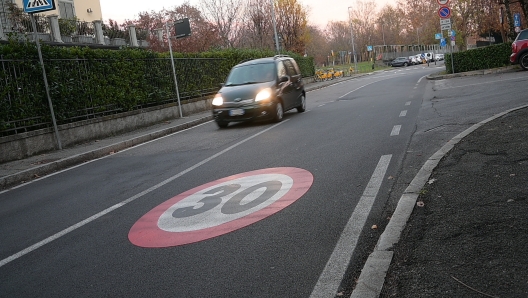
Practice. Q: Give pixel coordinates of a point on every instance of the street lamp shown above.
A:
(352, 36)
(274, 27)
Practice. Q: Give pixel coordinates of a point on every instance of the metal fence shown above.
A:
(83, 89)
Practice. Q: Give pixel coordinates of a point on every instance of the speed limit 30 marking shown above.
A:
(220, 207)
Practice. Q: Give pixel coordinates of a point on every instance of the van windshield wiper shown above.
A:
(243, 83)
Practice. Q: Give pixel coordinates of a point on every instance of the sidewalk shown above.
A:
(20, 171)
(468, 233)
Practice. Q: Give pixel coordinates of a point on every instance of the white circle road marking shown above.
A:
(220, 207)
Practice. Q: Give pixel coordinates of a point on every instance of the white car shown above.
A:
(439, 57)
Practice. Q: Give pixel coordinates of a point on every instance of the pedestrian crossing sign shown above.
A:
(31, 6)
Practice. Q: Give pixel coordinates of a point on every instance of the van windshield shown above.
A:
(251, 74)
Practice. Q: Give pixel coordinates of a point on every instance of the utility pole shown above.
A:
(352, 36)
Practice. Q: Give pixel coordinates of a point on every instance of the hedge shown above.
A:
(86, 83)
(481, 58)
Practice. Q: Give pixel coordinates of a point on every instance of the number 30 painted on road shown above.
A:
(220, 207)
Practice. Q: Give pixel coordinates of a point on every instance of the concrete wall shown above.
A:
(35, 142)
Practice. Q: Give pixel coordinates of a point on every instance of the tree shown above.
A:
(224, 15)
(393, 27)
(363, 21)
(203, 34)
(257, 27)
(291, 24)
(338, 34)
(317, 45)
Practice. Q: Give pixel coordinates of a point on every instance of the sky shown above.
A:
(321, 11)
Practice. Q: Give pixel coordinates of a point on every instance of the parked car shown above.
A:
(400, 61)
(520, 50)
(419, 58)
(439, 57)
(260, 89)
(414, 60)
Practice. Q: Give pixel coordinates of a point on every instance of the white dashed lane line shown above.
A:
(395, 130)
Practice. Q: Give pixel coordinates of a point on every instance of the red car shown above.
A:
(520, 50)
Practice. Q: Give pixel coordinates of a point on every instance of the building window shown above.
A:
(66, 9)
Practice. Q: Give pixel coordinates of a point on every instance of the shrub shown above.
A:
(481, 58)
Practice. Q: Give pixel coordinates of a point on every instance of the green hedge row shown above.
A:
(86, 83)
(481, 58)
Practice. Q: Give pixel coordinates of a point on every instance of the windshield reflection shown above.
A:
(251, 74)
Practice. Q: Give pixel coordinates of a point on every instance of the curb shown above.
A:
(505, 69)
(372, 277)
(46, 169)
(332, 82)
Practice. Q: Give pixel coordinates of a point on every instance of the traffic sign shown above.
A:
(444, 12)
(438, 36)
(445, 21)
(442, 2)
(369, 48)
(31, 6)
(446, 27)
(220, 207)
(443, 42)
(517, 20)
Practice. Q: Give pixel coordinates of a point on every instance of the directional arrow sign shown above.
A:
(31, 6)
(444, 12)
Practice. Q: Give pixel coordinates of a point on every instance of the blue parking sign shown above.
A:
(443, 42)
(517, 20)
(31, 6)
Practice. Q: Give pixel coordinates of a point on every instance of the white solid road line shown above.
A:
(332, 275)
(123, 203)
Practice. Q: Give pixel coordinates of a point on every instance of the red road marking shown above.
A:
(146, 232)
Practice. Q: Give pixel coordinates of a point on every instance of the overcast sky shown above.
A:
(321, 11)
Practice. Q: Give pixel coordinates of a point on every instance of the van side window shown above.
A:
(281, 70)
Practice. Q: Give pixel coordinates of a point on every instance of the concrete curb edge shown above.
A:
(504, 69)
(372, 277)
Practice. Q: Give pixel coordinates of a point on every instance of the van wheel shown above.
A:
(222, 124)
(302, 107)
(523, 61)
(279, 112)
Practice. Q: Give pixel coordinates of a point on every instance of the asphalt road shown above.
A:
(349, 156)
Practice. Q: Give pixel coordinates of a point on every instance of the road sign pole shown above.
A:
(173, 69)
(34, 25)
(452, 58)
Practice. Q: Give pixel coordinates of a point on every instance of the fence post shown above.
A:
(2, 35)
(53, 21)
(133, 37)
(99, 36)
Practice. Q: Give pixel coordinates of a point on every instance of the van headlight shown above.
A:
(263, 95)
(218, 100)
